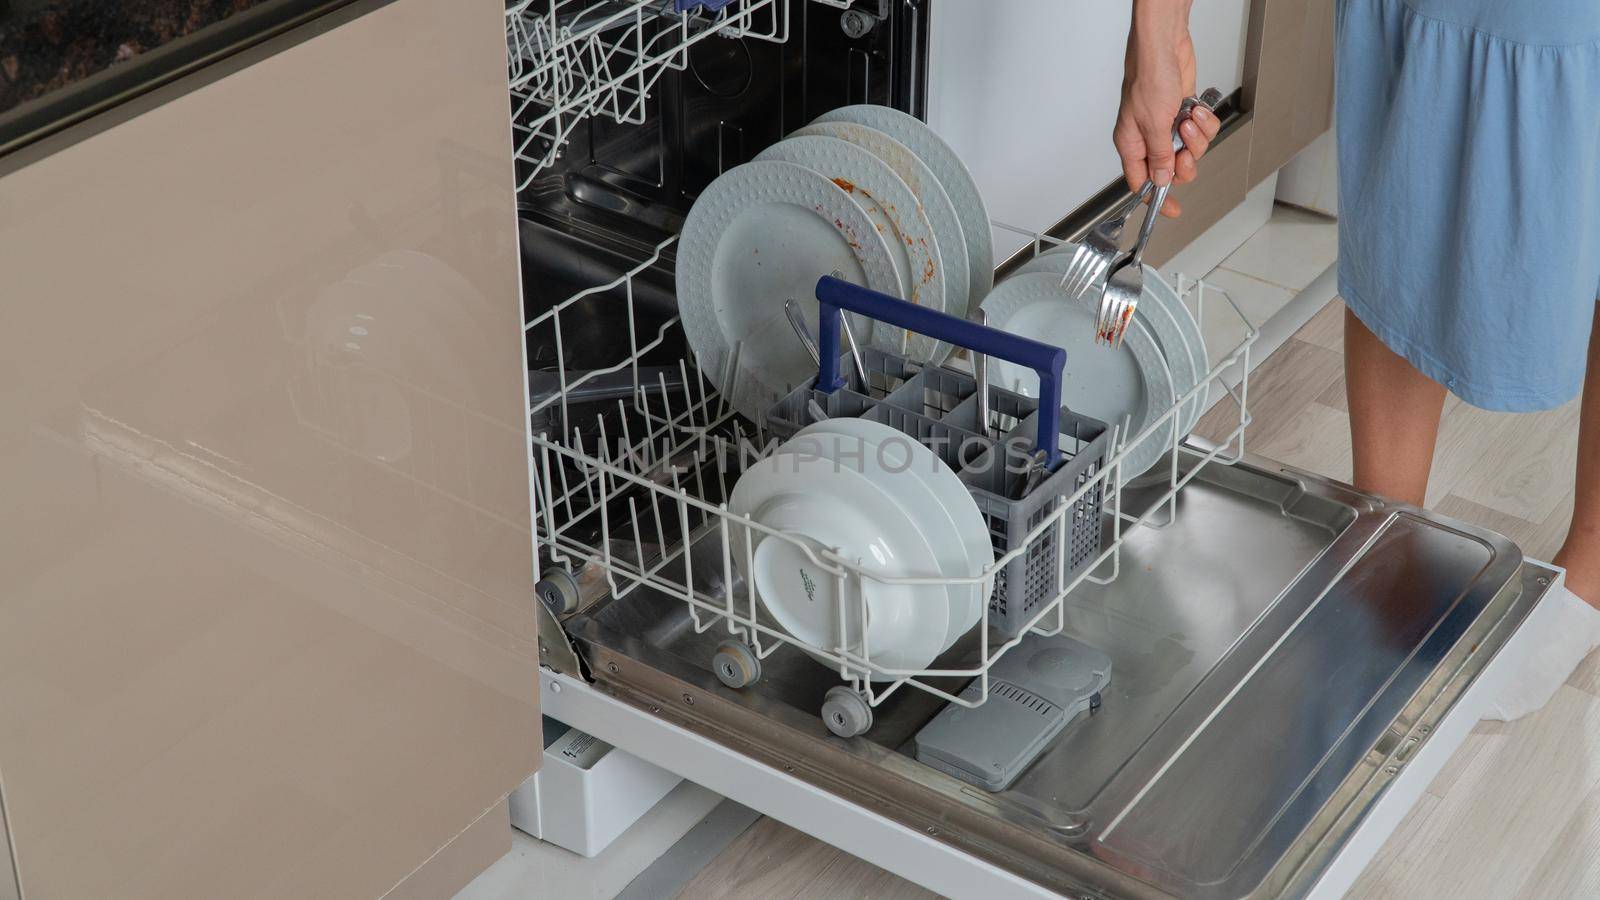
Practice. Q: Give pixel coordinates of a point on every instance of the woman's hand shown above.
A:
(1158, 72)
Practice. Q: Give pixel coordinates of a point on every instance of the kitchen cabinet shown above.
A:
(1287, 102)
(8, 871)
(1288, 79)
(266, 625)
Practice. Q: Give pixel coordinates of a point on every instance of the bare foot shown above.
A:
(1580, 556)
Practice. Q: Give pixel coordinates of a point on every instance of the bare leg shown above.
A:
(1581, 552)
(1394, 419)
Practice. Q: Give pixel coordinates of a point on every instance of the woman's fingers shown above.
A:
(1194, 140)
(1187, 167)
(1159, 157)
(1197, 132)
(1130, 149)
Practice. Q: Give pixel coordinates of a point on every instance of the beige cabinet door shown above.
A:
(9, 888)
(1288, 79)
(266, 623)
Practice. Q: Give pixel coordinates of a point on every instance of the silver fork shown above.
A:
(1125, 285)
(1100, 247)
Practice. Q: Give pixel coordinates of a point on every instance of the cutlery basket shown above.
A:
(939, 408)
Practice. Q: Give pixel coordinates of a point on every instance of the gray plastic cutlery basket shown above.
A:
(939, 407)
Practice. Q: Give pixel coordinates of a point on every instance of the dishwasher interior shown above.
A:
(1280, 642)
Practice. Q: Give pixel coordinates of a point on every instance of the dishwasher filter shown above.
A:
(1034, 691)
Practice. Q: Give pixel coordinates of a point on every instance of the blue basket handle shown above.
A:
(834, 294)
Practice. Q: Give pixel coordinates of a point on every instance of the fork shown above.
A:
(1125, 285)
(1100, 247)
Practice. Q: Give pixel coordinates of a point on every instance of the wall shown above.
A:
(1026, 91)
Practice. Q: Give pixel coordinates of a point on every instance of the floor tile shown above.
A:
(1295, 247)
(1519, 530)
(1316, 438)
(1527, 467)
(1379, 881)
(1326, 328)
(1571, 865)
(1257, 299)
(1586, 677)
(1489, 833)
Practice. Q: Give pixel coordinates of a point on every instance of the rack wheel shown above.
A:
(736, 664)
(559, 591)
(845, 712)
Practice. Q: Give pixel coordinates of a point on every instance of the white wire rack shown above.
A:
(638, 489)
(573, 59)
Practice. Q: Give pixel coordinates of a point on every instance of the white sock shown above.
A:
(1564, 629)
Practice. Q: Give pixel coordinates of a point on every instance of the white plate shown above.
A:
(1157, 288)
(831, 506)
(938, 501)
(1152, 313)
(761, 233)
(962, 290)
(952, 174)
(898, 213)
(1100, 382)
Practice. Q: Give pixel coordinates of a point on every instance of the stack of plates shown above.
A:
(1162, 357)
(866, 192)
(888, 504)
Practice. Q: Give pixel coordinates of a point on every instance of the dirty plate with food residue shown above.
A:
(898, 216)
(760, 234)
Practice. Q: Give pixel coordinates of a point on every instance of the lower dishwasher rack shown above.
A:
(1284, 647)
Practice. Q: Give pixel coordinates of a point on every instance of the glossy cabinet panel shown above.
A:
(265, 604)
(8, 874)
(1288, 79)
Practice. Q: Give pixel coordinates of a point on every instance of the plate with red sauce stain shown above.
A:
(896, 213)
(965, 287)
(760, 234)
(951, 173)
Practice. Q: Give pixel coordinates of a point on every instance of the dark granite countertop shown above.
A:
(46, 45)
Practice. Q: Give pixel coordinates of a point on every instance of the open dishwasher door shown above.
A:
(1293, 662)
(1292, 659)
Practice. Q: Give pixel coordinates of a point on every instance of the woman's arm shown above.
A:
(1158, 72)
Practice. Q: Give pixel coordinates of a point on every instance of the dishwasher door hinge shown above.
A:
(557, 652)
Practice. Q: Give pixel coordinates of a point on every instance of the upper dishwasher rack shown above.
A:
(572, 59)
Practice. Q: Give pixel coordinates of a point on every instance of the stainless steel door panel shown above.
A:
(1236, 796)
(1286, 641)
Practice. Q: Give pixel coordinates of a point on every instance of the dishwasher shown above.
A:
(1292, 659)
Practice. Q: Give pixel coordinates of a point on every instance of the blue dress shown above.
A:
(1469, 189)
